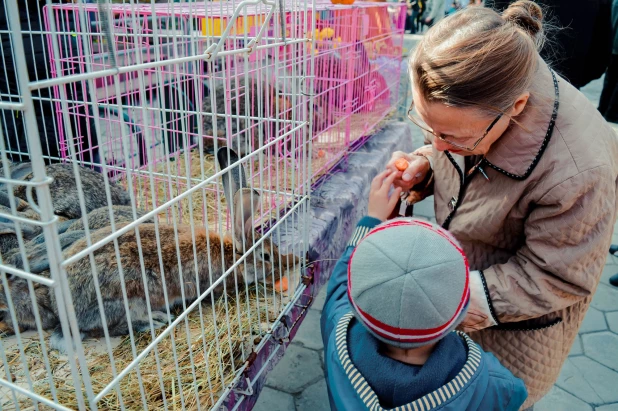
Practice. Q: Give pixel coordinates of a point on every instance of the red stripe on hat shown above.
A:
(402, 334)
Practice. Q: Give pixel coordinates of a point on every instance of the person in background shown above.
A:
(412, 16)
(38, 66)
(453, 8)
(608, 105)
(437, 11)
(580, 49)
(392, 303)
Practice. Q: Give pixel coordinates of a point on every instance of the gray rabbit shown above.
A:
(203, 262)
(260, 94)
(99, 218)
(8, 231)
(64, 192)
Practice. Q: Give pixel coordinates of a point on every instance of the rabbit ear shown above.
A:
(234, 179)
(249, 200)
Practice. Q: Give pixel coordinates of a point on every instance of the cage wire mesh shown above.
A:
(151, 156)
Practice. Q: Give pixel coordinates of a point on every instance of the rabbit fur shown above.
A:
(64, 193)
(200, 269)
(99, 218)
(238, 95)
(8, 230)
(38, 260)
(24, 311)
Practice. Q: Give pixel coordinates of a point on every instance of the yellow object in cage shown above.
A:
(215, 26)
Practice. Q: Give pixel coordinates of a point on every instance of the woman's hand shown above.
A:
(418, 167)
(381, 205)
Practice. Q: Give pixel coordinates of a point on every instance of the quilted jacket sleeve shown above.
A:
(568, 232)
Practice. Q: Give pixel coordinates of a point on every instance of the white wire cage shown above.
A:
(141, 265)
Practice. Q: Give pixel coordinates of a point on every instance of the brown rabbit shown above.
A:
(213, 255)
(22, 304)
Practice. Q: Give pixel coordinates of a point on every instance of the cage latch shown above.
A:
(286, 336)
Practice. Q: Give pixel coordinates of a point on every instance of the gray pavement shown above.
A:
(588, 381)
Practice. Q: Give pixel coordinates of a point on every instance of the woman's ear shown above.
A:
(520, 104)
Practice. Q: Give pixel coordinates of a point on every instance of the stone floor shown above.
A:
(589, 378)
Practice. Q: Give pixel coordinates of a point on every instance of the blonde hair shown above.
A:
(478, 57)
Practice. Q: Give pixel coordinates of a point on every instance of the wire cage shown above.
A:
(152, 158)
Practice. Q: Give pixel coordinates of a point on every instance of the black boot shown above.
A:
(613, 280)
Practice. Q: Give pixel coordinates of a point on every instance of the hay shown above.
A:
(207, 361)
(216, 355)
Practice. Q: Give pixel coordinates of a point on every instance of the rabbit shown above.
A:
(23, 308)
(209, 248)
(64, 192)
(8, 234)
(21, 206)
(238, 107)
(38, 260)
(36, 252)
(17, 171)
(99, 218)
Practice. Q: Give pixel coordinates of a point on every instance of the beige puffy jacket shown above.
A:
(539, 229)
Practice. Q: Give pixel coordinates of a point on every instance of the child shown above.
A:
(393, 301)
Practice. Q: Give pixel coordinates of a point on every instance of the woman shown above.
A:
(523, 172)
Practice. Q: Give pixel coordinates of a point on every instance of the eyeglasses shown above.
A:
(450, 140)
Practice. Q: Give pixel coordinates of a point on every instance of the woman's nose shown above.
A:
(440, 145)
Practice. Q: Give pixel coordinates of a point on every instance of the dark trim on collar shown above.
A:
(548, 134)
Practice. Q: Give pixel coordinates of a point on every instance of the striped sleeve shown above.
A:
(363, 227)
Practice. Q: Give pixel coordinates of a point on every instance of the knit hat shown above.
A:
(408, 282)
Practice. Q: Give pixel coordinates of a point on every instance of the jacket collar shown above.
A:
(431, 401)
(521, 147)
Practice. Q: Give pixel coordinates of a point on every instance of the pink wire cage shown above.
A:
(341, 80)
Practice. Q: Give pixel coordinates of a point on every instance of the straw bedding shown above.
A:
(215, 354)
(206, 360)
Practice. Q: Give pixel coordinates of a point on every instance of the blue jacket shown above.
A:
(459, 375)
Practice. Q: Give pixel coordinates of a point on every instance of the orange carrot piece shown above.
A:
(281, 285)
(401, 164)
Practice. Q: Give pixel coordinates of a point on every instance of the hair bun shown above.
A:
(526, 15)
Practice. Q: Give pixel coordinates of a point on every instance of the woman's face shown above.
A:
(465, 126)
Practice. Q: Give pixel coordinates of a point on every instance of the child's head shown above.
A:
(408, 283)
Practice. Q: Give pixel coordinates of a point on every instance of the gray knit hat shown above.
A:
(408, 282)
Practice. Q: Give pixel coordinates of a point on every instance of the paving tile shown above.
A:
(273, 400)
(609, 270)
(612, 321)
(594, 321)
(576, 348)
(560, 400)
(588, 380)
(603, 348)
(309, 334)
(605, 298)
(298, 368)
(608, 407)
(318, 301)
(314, 398)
